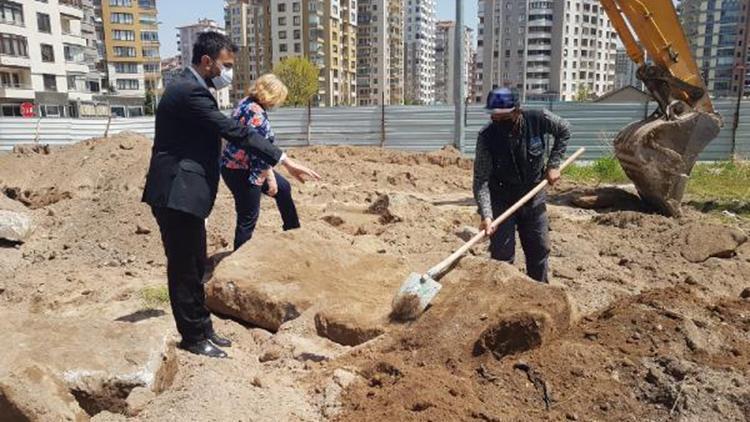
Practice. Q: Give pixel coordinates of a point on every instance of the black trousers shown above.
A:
(247, 203)
(532, 224)
(184, 239)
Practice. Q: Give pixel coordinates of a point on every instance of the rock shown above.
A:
(257, 382)
(465, 233)
(137, 400)
(137, 355)
(332, 393)
(333, 219)
(336, 324)
(306, 349)
(312, 271)
(14, 226)
(698, 241)
(7, 204)
(142, 230)
(745, 294)
(34, 393)
(607, 198)
(270, 355)
(396, 207)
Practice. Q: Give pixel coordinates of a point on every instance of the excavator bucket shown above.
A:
(658, 155)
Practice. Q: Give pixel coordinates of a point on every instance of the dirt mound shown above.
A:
(486, 312)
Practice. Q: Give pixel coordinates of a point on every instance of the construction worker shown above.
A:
(510, 161)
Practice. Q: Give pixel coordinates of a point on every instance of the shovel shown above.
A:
(419, 289)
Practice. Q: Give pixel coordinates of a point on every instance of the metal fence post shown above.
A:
(309, 122)
(36, 130)
(382, 120)
(106, 129)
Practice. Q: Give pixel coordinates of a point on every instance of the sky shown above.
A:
(174, 13)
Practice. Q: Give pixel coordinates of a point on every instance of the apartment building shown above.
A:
(419, 51)
(547, 49)
(324, 31)
(187, 36)
(247, 25)
(625, 70)
(380, 51)
(445, 59)
(131, 53)
(717, 30)
(42, 58)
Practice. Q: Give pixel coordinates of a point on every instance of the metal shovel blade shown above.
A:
(414, 296)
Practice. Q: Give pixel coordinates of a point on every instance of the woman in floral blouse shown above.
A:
(247, 176)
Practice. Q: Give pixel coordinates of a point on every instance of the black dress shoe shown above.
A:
(219, 341)
(205, 348)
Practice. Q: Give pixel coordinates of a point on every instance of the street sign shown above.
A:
(27, 110)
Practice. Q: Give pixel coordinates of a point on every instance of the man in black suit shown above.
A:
(183, 179)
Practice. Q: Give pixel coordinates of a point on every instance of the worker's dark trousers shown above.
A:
(247, 203)
(184, 239)
(533, 230)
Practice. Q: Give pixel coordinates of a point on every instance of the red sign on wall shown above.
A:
(27, 110)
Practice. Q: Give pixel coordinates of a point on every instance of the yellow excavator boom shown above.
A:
(659, 152)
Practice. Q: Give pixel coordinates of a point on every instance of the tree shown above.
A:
(583, 94)
(149, 105)
(300, 76)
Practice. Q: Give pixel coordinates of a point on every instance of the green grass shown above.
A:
(604, 170)
(155, 296)
(712, 187)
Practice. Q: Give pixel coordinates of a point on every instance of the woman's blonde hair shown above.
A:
(268, 90)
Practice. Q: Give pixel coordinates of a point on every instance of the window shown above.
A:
(11, 13)
(295, 6)
(151, 68)
(152, 36)
(147, 19)
(128, 84)
(147, 4)
(126, 68)
(123, 35)
(10, 80)
(50, 82)
(121, 3)
(297, 48)
(282, 35)
(282, 7)
(48, 53)
(297, 34)
(124, 51)
(13, 45)
(282, 48)
(150, 52)
(126, 18)
(296, 21)
(42, 21)
(282, 20)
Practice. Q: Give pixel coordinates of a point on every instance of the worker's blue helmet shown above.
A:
(502, 100)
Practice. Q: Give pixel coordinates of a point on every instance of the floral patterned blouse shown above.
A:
(249, 112)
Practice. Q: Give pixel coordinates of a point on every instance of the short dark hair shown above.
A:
(210, 44)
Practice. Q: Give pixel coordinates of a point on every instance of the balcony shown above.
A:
(17, 91)
(16, 61)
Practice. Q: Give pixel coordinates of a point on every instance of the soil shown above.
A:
(643, 320)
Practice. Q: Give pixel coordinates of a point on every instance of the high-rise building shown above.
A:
(324, 31)
(131, 52)
(625, 70)
(170, 68)
(419, 51)
(187, 36)
(547, 49)
(445, 59)
(717, 30)
(43, 58)
(247, 25)
(380, 49)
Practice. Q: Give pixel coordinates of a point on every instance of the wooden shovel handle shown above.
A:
(438, 269)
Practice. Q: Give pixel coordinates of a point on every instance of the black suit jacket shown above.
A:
(184, 169)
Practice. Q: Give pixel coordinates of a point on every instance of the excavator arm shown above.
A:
(659, 152)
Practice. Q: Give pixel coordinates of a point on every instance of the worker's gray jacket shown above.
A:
(517, 162)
